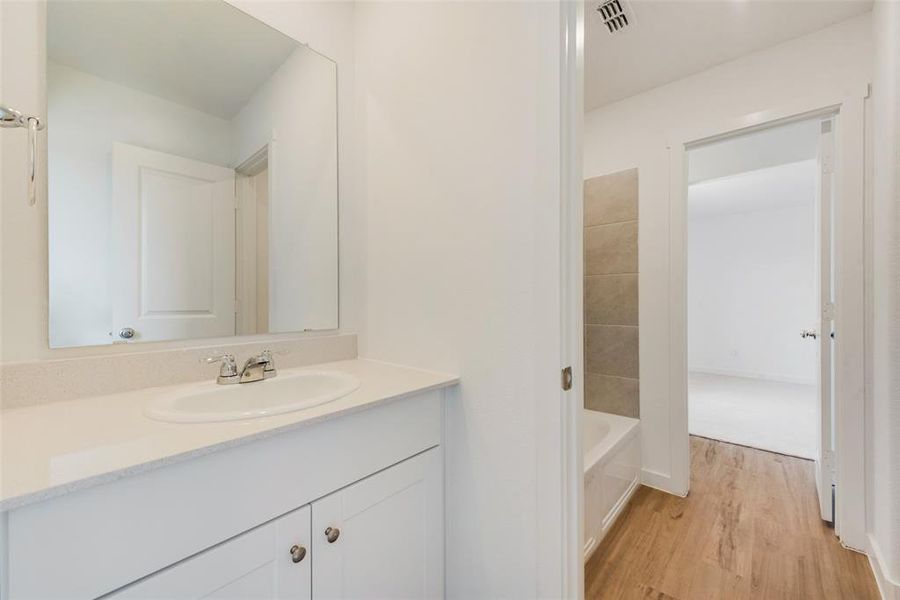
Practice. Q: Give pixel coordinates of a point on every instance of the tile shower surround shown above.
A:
(611, 293)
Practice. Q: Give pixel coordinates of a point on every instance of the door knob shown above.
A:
(332, 534)
(809, 333)
(126, 333)
(298, 553)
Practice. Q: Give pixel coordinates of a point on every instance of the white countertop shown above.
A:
(53, 449)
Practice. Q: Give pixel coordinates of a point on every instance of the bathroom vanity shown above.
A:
(340, 500)
(191, 181)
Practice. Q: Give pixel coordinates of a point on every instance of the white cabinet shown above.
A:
(270, 562)
(222, 525)
(382, 537)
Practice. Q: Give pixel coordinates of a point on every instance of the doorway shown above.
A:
(759, 271)
(252, 185)
(839, 463)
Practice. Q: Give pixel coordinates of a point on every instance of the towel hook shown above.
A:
(10, 117)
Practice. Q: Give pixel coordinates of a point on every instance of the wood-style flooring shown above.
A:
(750, 528)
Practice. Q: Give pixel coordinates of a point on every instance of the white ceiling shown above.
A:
(671, 39)
(768, 147)
(772, 187)
(206, 55)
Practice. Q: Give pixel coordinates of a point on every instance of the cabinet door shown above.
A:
(255, 565)
(386, 534)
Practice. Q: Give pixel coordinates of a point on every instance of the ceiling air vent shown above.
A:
(615, 14)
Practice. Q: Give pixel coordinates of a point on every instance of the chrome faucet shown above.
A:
(257, 368)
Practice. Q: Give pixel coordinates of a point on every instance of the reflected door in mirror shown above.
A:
(192, 174)
(173, 245)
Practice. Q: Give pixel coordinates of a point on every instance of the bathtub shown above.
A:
(612, 466)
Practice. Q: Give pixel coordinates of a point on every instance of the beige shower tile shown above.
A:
(611, 350)
(611, 249)
(616, 395)
(611, 198)
(611, 299)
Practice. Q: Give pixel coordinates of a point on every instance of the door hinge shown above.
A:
(828, 464)
(827, 146)
(567, 379)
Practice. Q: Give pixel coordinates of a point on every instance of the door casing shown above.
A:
(571, 401)
(850, 297)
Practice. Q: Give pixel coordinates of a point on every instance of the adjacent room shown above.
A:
(752, 260)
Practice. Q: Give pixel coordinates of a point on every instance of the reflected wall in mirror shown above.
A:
(192, 174)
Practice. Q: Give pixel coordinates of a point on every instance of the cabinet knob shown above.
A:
(298, 553)
(332, 534)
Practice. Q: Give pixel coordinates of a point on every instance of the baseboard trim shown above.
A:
(611, 518)
(662, 482)
(746, 375)
(623, 501)
(890, 590)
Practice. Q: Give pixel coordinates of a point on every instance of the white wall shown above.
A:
(89, 115)
(633, 133)
(883, 409)
(751, 279)
(459, 105)
(325, 26)
(770, 147)
(296, 107)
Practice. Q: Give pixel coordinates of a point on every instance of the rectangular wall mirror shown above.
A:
(192, 174)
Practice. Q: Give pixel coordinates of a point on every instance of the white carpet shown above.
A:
(769, 415)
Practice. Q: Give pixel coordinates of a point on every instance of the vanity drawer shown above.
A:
(89, 543)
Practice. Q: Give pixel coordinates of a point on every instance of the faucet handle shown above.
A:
(266, 356)
(228, 372)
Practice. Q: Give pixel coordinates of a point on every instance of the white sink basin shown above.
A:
(209, 402)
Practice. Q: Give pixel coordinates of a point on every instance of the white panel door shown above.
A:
(825, 463)
(257, 565)
(384, 535)
(173, 246)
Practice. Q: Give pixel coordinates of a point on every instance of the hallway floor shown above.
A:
(750, 528)
(769, 415)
